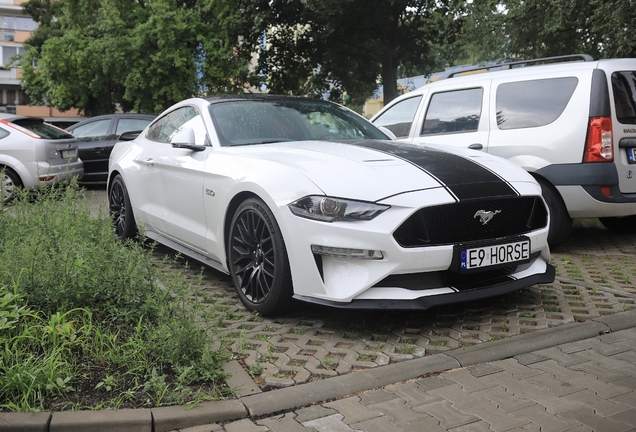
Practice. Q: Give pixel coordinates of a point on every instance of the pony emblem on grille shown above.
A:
(485, 216)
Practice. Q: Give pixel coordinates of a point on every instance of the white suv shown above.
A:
(572, 124)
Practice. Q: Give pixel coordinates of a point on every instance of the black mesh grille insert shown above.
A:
(460, 222)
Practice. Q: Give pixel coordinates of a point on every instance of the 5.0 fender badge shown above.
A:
(485, 216)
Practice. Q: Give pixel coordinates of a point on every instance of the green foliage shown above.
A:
(143, 56)
(84, 320)
(319, 47)
(496, 29)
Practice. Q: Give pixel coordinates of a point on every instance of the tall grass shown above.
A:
(89, 322)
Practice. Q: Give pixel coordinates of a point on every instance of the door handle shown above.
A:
(476, 146)
(149, 162)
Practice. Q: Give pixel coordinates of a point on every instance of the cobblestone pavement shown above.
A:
(589, 385)
(596, 271)
(595, 274)
(580, 386)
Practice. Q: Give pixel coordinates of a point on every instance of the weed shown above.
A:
(365, 357)
(255, 370)
(329, 362)
(90, 322)
(404, 349)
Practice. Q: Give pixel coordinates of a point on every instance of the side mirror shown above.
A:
(387, 132)
(185, 139)
(129, 136)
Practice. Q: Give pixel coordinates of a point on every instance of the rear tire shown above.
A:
(258, 260)
(624, 225)
(120, 210)
(9, 184)
(560, 220)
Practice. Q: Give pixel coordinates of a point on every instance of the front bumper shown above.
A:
(406, 277)
(437, 297)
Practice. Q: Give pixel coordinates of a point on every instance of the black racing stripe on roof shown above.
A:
(465, 178)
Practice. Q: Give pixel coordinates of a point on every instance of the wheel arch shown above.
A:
(232, 206)
(7, 168)
(542, 179)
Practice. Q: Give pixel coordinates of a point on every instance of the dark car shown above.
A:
(96, 137)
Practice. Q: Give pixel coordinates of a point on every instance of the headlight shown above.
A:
(328, 209)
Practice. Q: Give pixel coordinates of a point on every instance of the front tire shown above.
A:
(258, 259)
(120, 210)
(560, 220)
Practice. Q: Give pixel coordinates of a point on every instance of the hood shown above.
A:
(373, 170)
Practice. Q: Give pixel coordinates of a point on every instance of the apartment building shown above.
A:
(15, 28)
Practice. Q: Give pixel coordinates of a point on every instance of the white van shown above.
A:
(572, 124)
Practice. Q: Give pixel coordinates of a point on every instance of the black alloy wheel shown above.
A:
(258, 259)
(121, 210)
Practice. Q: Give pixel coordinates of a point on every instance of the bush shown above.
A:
(84, 320)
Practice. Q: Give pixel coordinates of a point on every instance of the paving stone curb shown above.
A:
(165, 419)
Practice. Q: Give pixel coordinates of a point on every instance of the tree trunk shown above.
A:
(389, 76)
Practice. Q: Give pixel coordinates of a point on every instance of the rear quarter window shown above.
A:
(624, 88)
(453, 112)
(535, 103)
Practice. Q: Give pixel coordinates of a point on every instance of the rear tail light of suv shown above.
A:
(598, 147)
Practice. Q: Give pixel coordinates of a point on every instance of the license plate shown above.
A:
(495, 255)
(631, 155)
(69, 154)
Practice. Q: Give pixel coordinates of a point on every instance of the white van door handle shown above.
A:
(476, 146)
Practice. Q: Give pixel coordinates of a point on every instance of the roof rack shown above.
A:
(509, 65)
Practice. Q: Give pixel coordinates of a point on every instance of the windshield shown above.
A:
(248, 122)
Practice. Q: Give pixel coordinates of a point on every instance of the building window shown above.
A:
(25, 24)
(7, 53)
(9, 24)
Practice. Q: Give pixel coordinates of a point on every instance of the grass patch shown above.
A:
(87, 322)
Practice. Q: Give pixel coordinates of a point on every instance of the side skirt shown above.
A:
(184, 250)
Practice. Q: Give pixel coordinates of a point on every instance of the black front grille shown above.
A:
(460, 222)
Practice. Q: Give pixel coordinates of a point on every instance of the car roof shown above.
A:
(7, 116)
(112, 116)
(261, 97)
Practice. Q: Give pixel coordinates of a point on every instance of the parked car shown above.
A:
(98, 135)
(302, 198)
(571, 124)
(34, 153)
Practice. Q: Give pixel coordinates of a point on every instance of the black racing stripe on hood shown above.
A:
(465, 178)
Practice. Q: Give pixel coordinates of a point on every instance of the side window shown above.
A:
(399, 118)
(93, 131)
(453, 112)
(164, 129)
(128, 125)
(3, 133)
(624, 88)
(535, 103)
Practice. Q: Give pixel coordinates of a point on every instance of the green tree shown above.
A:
(543, 28)
(332, 46)
(100, 55)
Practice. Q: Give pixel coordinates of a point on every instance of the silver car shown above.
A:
(34, 153)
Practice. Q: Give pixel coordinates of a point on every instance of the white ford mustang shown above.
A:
(300, 198)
